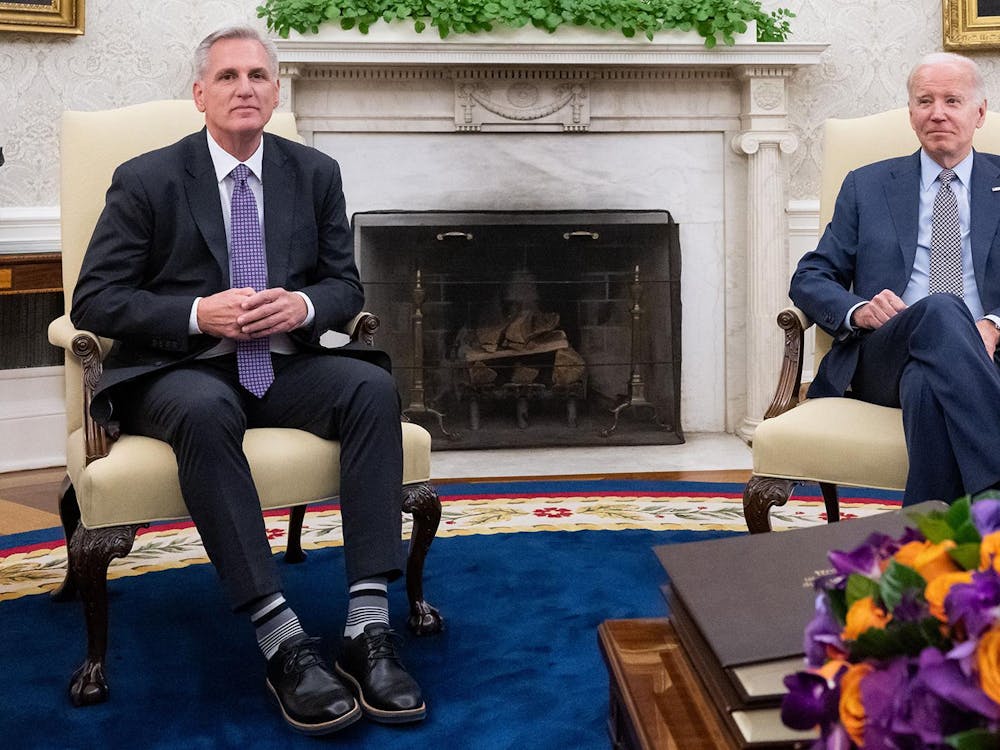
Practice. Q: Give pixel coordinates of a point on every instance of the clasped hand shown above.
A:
(887, 304)
(244, 314)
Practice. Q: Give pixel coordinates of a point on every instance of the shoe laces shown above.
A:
(303, 655)
(382, 645)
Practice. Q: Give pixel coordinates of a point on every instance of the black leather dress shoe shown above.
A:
(311, 698)
(387, 691)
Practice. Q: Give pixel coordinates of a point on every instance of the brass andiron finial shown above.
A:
(636, 388)
(417, 404)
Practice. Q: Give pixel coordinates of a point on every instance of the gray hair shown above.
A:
(233, 32)
(941, 58)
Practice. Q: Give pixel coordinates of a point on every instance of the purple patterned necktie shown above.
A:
(249, 268)
(945, 273)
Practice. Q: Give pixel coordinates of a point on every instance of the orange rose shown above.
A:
(907, 554)
(852, 710)
(989, 551)
(938, 589)
(935, 560)
(862, 615)
(988, 663)
(830, 669)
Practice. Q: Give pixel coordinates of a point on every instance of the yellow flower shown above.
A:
(852, 710)
(988, 663)
(935, 560)
(989, 551)
(938, 589)
(862, 615)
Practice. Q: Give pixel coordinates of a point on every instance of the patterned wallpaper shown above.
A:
(134, 51)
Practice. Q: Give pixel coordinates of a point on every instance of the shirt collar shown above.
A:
(224, 162)
(930, 169)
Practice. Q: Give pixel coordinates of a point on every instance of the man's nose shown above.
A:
(244, 88)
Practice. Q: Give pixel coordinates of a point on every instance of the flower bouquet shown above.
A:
(903, 651)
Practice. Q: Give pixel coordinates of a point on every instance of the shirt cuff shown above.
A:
(310, 310)
(193, 329)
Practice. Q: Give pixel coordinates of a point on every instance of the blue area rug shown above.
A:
(517, 667)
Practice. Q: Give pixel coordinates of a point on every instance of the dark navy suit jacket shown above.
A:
(161, 241)
(870, 245)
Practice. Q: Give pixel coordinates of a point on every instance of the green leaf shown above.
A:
(896, 580)
(935, 527)
(859, 586)
(974, 739)
(966, 555)
(900, 638)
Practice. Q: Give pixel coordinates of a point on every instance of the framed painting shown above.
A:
(971, 24)
(42, 16)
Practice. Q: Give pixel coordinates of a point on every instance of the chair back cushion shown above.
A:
(92, 145)
(852, 143)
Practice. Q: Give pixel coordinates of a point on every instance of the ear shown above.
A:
(198, 94)
(277, 91)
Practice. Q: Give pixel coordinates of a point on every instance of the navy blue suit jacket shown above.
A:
(161, 241)
(870, 245)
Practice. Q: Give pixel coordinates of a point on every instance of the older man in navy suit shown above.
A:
(906, 277)
(216, 265)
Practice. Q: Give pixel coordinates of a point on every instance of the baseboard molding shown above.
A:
(32, 418)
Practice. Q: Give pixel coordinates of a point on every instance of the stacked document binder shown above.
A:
(740, 606)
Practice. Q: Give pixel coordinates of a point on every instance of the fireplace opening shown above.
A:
(530, 328)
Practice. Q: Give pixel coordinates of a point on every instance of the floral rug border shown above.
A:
(39, 568)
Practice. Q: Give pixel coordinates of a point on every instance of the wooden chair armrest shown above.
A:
(362, 328)
(89, 350)
(794, 323)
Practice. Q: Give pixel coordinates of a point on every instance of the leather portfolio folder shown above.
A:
(751, 596)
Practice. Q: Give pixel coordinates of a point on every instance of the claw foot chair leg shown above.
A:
(90, 553)
(759, 496)
(422, 502)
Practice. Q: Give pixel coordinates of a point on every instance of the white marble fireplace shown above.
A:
(507, 122)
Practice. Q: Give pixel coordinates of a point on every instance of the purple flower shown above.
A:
(809, 702)
(865, 558)
(884, 694)
(975, 604)
(821, 632)
(986, 516)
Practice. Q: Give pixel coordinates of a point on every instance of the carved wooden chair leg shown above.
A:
(294, 552)
(69, 515)
(422, 502)
(90, 553)
(759, 496)
(832, 501)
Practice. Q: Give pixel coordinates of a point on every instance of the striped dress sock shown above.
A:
(368, 603)
(275, 622)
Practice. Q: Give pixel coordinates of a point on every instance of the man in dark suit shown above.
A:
(906, 277)
(216, 265)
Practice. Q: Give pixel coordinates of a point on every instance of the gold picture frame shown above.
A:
(970, 25)
(42, 16)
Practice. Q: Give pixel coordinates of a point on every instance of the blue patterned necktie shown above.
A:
(249, 268)
(945, 274)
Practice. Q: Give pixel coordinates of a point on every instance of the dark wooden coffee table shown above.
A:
(656, 699)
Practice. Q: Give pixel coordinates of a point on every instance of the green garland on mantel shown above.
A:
(715, 20)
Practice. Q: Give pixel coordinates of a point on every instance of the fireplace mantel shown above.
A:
(398, 44)
(391, 102)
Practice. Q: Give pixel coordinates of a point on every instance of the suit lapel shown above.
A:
(202, 189)
(984, 209)
(902, 193)
(279, 209)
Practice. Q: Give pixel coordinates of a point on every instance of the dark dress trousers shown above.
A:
(930, 358)
(159, 243)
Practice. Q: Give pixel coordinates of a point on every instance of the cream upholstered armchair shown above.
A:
(113, 487)
(834, 441)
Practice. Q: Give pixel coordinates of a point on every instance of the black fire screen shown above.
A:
(530, 328)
